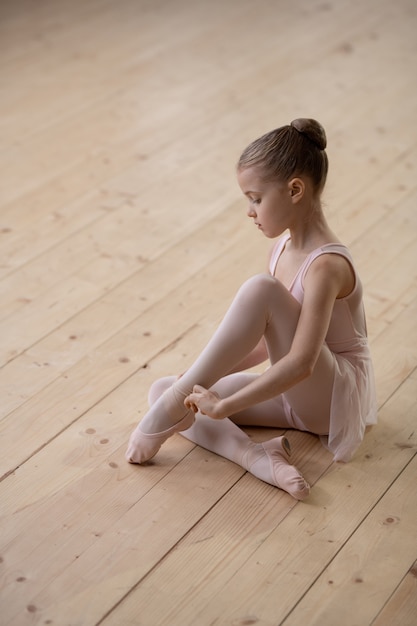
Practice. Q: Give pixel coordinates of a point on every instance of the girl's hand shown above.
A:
(205, 401)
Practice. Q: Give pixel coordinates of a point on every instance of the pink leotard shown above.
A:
(353, 404)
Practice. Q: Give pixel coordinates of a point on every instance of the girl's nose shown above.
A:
(251, 211)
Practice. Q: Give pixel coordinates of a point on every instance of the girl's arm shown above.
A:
(329, 276)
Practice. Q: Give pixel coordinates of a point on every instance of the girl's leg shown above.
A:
(267, 461)
(259, 301)
(262, 307)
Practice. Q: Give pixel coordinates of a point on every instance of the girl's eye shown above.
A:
(256, 201)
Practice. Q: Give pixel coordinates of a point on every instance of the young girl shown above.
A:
(306, 316)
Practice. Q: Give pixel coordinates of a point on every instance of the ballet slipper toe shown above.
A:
(286, 476)
(143, 446)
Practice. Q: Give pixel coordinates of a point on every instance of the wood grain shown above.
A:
(123, 238)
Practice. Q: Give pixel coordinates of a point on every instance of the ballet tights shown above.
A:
(262, 307)
(268, 461)
(246, 321)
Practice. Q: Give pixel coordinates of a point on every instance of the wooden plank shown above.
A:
(369, 568)
(394, 354)
(391, 291)
(402, 606)
(392, 234)
(82, 136)
(148, 100)
(47, 299)
(133, 217)
(158, 78)
(389, 282)
(91, 489)
(114, 264)
(21, 299)
(145, 285)
(53, 21)
(160, 27)
(86, 128)
(109, 508)
(113, 47)
(44, 305)
(109, 364)
(80, 564)
(279, 568)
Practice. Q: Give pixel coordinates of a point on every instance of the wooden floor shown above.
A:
(123, 238)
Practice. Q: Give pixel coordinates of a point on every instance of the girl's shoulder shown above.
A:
(333, 260)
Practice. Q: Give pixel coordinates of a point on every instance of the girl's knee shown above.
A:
(260, 281)
(260, 285)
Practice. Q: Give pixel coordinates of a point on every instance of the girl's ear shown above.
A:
(296, 188)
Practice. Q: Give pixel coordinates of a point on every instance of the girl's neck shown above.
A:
(311, 231)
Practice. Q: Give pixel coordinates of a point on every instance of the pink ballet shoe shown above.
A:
(143, 446)
(285, 476)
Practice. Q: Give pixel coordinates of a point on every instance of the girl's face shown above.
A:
(270, 203)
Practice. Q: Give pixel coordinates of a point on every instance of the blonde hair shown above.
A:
(296, 149)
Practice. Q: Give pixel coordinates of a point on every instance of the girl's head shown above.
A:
(295, 150)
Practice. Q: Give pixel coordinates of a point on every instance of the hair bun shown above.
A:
(311, 129)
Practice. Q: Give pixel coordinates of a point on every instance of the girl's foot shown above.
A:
(269, 462)
(166, 416)
(143, 446)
